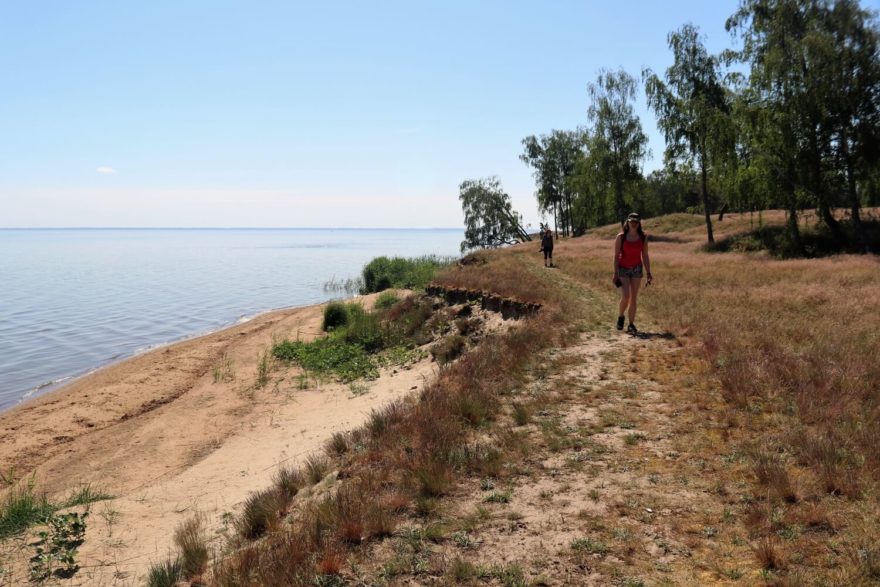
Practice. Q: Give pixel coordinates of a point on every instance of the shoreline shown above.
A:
(71, 385)
(63, 381)
(167, 439)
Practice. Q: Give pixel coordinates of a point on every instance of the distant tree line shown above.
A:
(790, 120)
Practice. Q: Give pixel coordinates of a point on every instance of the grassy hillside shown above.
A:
(735, 441)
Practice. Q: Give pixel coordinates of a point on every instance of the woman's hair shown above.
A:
(640, 231)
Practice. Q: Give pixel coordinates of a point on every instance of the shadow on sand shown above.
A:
(651, 335)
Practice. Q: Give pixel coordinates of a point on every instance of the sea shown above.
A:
(75, 300)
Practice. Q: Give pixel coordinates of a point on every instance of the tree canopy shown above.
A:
(789, 118)
(489, 218)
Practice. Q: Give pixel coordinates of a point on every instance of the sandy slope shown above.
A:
(167, 440)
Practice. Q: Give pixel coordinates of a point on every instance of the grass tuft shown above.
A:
(288, 481)
(165, 574)
(316, 467)
(261, 511)
(21, 508)
(769, 554)
(193, 546)
(84, 496)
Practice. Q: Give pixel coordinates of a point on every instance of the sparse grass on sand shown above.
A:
(408, 456)
(23, 505)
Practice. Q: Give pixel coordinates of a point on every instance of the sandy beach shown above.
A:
(180, 430)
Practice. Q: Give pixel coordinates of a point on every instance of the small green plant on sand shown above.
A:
(589, 545)
(264, 367)
(57, 546)
(84, 496)
(224, 370)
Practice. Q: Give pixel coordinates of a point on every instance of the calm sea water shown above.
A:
(74, 300)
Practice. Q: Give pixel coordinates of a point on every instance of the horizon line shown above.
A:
(228, 228)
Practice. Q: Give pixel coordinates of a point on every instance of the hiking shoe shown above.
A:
(632, 328)
(620, 322)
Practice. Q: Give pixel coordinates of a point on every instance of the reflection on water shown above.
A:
(72, 300)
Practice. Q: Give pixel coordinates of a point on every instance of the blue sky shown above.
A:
(364, 114)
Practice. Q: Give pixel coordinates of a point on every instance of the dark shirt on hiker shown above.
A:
(547, 242)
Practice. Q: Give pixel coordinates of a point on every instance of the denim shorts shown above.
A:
(631, 272)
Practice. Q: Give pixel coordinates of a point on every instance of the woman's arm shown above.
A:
(646, 260)
(618, 242)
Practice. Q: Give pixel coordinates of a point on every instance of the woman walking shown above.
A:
(547, 247)
(630, 261)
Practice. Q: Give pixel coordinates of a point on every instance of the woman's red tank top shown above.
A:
(631, 253)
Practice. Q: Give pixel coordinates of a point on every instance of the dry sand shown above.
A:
(167, 440)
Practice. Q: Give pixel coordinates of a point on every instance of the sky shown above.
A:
(293, 114)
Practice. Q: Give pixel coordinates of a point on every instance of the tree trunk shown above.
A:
(793, 228)
(821, 199)
(555, 222)
(618, 201)
(855, 205)
(705, 195)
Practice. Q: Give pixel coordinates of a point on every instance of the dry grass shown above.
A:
(408, 456)
(793, 347)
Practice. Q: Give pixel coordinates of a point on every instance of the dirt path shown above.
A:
(617, 482)
(621, 487)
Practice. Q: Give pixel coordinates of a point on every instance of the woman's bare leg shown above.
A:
(634, 284)
(624, 296)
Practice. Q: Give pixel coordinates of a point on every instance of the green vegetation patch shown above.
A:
(329, 355)
(24, 507)
(335, 316)
(359, 342)
(21, 509)
(401, 272)
(816, 241)
(386, 300)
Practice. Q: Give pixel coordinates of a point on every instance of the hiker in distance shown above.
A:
(547, 247)
(630, 262)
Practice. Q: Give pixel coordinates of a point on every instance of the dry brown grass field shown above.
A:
(734, 441)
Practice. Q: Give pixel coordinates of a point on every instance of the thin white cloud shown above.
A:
(105, 170)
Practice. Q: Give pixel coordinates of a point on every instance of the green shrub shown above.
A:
(335, 315)
(366, 331)
(386, 300)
